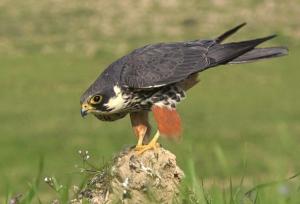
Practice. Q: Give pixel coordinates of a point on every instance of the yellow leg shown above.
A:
(140, 141)
(152, 144)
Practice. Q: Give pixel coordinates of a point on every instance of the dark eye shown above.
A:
(96, 99)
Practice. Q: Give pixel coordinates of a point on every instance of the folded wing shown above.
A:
(166, 63)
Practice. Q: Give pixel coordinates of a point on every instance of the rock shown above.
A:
(152, 177)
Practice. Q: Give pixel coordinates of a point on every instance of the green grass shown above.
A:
(240, 122)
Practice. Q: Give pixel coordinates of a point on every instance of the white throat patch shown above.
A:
(117, 102)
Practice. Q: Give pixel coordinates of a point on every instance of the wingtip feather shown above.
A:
(228, 33)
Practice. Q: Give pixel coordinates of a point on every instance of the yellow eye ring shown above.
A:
(96, 99)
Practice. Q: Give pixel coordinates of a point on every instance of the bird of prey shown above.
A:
(156, 77)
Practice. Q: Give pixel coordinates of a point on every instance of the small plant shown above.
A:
(87, 166)
(32, 192)
(61, 190)
(192, 190)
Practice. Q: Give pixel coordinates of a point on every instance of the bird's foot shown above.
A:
(153, 144)
(140, 149)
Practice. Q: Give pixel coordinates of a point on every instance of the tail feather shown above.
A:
(259, 54)
(241, 52)
(224, 53)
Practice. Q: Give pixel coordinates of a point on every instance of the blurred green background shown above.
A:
(241, 120)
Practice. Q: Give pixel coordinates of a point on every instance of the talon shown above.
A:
(143, 148)
(153, 144)
(139, 147)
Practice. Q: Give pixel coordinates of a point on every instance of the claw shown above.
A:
(143, 148)
(153, 144)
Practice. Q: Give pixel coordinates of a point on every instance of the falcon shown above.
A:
(156, 77)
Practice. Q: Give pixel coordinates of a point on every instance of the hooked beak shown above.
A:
(85, 109)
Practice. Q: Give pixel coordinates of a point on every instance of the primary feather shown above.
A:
(159, 74)
(166, 63)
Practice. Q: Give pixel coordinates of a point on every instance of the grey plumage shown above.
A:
(166, 63)
(156, 77)
(259, 54)
(228, 33)
(148, 75)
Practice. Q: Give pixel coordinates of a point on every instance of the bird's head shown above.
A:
(102, 100)
(93, 103)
